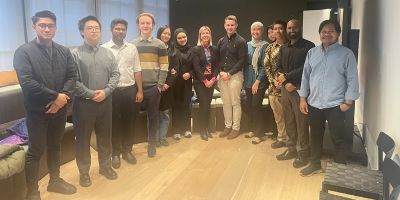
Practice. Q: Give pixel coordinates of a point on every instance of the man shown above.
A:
(233, 53)
(127, 96)
(290, 66)
(154, 63)
(98, 77)
(47, 75)
(274, 91)
(329, 86)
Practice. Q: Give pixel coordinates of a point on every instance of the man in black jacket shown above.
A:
(47, 74)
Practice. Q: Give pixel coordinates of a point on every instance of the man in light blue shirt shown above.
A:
(329, 86)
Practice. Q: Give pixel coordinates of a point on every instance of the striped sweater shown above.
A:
(153, 60)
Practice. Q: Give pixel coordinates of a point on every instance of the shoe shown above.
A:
(277, 144)
(203, 136)
(249, 135)
(298, 163)
(59, 185)
(269, 134)
(311, 169)
(209, 135)
(151, 150)
(129, 157)
(177, 136)
(256, 140)
(287, 155)
(188, 134)
(225, 132)
(164, 142)
(33, 195)
(84, 180)
(109, 173)
(115, 162)
(234, 134)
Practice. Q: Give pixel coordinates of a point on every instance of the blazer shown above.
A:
(200, 62)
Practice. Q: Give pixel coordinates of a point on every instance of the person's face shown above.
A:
(45, 28)
(145, 25)
(119, 32)
(166, 35)
(293, 30)
(181, 38)
(92, 32)
(230, 26)
(279, 31)
(205, 37)
(256, 32)
(271, 35)
(328, 35)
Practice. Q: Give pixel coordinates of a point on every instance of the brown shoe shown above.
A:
(225, 132)
(233, 134)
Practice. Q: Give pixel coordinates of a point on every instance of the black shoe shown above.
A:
(311, 169)
(109, 173)
(129, 157)
(59, 185)
(277, 144)
(33, 195)
(164, 142)
(287, 155)
(298, 163)
(115, 162)
(203, 136)
(151, 150)
(84, 180)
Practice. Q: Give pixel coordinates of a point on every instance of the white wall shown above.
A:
(378, 108)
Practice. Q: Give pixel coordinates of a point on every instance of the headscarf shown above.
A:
(256, 43)
(183, 49)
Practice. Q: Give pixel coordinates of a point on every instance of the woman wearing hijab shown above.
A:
(255, 81)
(205, 65)
(182, 91)
(164, 34)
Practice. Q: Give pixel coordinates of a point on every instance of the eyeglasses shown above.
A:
(49, 26)
(93, 28)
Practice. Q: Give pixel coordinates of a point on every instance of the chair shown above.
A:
(359, 180)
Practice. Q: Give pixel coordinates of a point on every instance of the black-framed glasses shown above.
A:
(44, 25)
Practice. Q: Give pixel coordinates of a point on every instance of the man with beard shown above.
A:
(290, 68)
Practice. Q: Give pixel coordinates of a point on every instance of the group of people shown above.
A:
(110, 83)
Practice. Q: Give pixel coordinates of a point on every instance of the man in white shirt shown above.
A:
(128, 94)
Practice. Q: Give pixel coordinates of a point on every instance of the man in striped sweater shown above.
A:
(154, 62)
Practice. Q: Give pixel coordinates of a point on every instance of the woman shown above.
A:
(164, 34)
(205, 65)
(182, 91)
(255, 81)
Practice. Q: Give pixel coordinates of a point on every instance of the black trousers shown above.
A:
(87, 116)
(205, 96)
(45, 132)
(296, 124)
(254, 108)
(181, 113)
(317, 119)
(151, 103)
(124, 112)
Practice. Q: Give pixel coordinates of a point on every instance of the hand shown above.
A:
(281, 77)
(52, 108)
(277, 85)
(173, 72)
(224, 76)
(254, 88)
(61, 100)
(290, 87)
(303, 105)
(139, 96)
(99, 95)
(344, 107)
(165, 87)
(186, 76)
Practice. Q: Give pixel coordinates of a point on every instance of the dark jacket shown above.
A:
(167, 96)
(200, 62)
(41, 77)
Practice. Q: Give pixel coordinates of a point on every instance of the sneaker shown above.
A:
(256, 140)
(188, 134)
(164, 142)
(311, 169)
(177, 136)
(234, 134)
(59, 185)
(298, 163)
(287, 155)
(249, 135)
(225, 132)
(277, 144)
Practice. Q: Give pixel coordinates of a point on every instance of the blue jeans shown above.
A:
(163, 124)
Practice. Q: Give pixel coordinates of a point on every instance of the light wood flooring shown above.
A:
(195, 169)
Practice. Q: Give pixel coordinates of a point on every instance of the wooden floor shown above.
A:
(195, 169)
